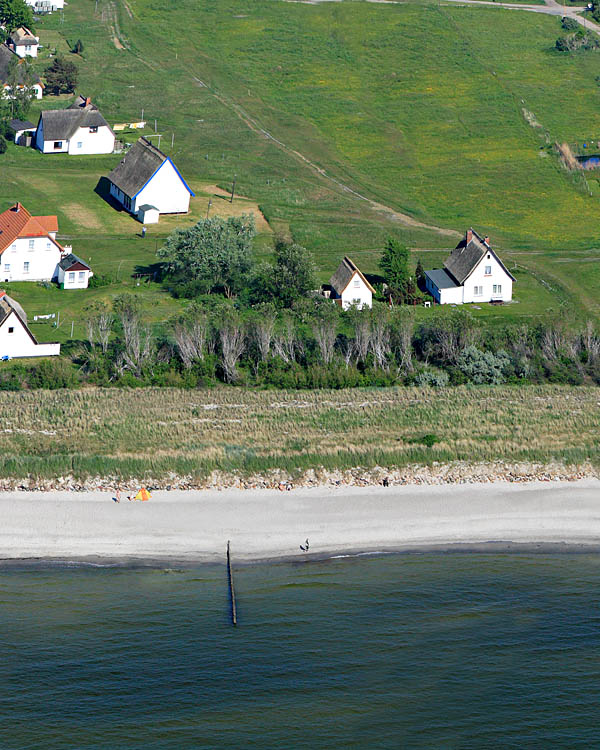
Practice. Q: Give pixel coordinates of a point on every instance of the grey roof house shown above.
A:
(473, 272)
(349, 286)
(78, 129)
(147, 183)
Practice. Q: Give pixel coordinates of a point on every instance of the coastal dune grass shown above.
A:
(157, 433)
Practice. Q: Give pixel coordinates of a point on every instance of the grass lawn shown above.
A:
(421, 107)
(149, 432)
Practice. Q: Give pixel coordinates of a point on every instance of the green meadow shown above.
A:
(446, 115)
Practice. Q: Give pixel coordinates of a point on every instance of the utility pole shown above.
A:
(172, 139)
(159, 137)
(233, 189)
(155, 130)
(142, 114)
(209, 205)
(72, 324)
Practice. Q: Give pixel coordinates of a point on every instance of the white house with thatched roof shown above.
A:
(472, 272)
(350, 287)
(23, 42)
(147, 183)
(16, 340)
(79, 129)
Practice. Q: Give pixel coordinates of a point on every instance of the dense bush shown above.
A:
(483, 367)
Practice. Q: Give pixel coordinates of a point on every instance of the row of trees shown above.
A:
(317, 345)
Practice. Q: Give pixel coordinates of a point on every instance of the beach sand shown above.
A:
(195, 525)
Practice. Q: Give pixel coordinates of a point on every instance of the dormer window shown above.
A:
(93, 129)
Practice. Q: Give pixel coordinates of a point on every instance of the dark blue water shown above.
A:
(404, 651)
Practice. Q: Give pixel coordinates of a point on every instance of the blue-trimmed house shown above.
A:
(147, 183)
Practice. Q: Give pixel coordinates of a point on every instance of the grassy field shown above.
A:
(151, 432)
(425, 109)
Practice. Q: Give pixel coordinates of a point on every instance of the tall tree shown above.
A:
(216, 253)
(394, 264)
(20, 78)
(294, 271)
(61, 76)
(14, 13)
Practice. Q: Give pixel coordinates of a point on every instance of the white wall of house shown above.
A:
(46, 5)
(489, 281)
(85, 141)
(36, 89)
(166, 191)
(16, 342)
(25, 50)
(449, 296)
(74, 279)
(30, 259)
(49, 147)
(357, 293)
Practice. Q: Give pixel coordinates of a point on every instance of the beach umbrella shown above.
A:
(143, 495)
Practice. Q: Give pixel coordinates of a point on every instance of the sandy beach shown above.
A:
(268, 523)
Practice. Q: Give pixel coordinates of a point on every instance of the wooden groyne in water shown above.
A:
(231, 587)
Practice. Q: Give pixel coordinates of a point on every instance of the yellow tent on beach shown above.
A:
(143, 495)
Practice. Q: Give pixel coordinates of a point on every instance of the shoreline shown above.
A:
(191, 527)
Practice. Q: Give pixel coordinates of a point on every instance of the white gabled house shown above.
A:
(28, 247)
(23, 42)
(79, 129)
(350, 287)
(147, 183)
(73, 273)
(16, 340)
(472, 273)
(8, 58)
(46, 6)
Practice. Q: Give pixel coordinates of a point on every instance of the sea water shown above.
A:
(399, 651)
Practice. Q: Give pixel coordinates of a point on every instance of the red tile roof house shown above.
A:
(472, 272)
(28, 247)
(16, 340)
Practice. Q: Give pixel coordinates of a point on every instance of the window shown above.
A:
(48, 246)
(93, 129)
(31, 244)
(11, 329)
(357, 283)
(81, 276)
(26, 267)
(497, 288)
(28, 48)
(57, 145)
(14, 248)
(7, 267)
(71, 277)
(478, 291)
(79, 144)
(488, 270)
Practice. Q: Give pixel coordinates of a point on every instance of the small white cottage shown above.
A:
(79, 129)
(472, 273)
(23, 42)
(73, 273)
(16, 340)
(45, 6)
(34, 83)
(147, 183)
(350, 287)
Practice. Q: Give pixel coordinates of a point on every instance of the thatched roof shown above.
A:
(6, 57)
(62, 124)
(467, 255)
(343, 276)
(8, 305)
(138, 166)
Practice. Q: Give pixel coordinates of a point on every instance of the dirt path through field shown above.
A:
(379, 207)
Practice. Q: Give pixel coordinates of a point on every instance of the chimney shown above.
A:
(469, 235)
(17, 207)
(486, 239)
(2, 293)
(87, 101)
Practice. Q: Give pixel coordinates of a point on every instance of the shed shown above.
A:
(148, 214)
